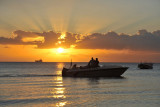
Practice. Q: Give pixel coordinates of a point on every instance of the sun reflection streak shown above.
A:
(61, 104)
(60, 65)
(59, 91)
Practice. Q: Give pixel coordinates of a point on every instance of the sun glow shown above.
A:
(60, 50)
(63, 35)
(31, 39)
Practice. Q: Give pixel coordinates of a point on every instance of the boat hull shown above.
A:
(94, 72)
(145, 66)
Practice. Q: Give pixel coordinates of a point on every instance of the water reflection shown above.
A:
(60, 65)
(59, 73)
(58, 90)
(93, 80)
(61, 104)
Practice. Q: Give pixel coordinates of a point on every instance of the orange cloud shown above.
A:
(143, 40)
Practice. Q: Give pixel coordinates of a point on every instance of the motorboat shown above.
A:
(145, 65)
(94, 71)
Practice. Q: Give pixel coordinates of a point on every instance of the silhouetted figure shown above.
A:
(90, 62)
(97, 63)
(93, 63)
(74, 66)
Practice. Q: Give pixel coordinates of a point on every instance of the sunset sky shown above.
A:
(61, 30)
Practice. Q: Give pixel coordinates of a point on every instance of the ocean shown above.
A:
(29, 84)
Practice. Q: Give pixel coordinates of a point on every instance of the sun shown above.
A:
(60, 50)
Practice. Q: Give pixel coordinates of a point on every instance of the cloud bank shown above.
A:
(143, 40)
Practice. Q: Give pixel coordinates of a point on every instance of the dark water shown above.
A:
(41, 84)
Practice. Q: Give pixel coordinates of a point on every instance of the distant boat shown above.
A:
(93, 71)
(145, 65)
(40, 60)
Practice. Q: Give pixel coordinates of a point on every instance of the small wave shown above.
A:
(28, 75)
(25, 101)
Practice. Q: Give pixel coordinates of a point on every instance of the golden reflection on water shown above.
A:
(59, 91)
(58, 73)
(60, 65)
(61, 104)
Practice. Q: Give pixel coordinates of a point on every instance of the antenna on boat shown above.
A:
(71, 63)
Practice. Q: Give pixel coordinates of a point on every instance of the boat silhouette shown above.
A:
(40, 60)
(145, 65)
(94, 70)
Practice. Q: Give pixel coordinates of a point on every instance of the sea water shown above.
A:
(25, 84)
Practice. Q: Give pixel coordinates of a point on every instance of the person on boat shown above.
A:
(96, 63)
(93, 63)
(90, 62)
(74, 66)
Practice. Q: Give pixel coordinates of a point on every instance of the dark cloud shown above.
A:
(51, 39)
(6, 47)
(18, 38)
(69, 40)
(143, 40)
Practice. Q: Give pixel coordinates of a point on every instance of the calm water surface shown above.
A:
(41, 84)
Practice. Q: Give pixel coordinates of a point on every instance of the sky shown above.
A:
(61, 30)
